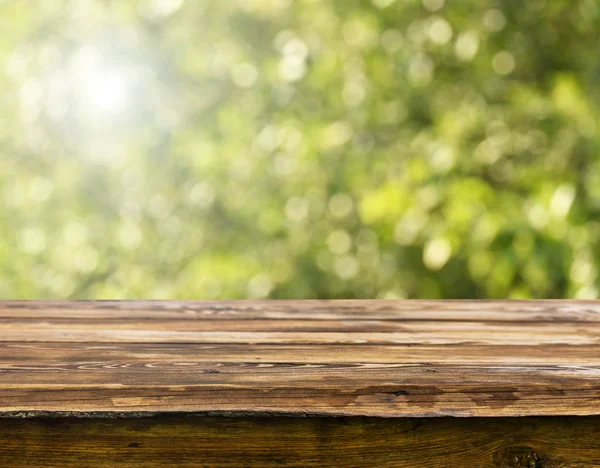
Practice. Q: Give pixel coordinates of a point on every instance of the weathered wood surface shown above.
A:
(367, 358)
(185, 442)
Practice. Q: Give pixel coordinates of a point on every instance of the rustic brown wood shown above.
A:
(347, 358)
(185, 442)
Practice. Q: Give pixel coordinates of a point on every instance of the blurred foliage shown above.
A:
(299, 148)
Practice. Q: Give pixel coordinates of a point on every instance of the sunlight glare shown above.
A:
(107, 92)
(103, 88)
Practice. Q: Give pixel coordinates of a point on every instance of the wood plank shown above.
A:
(187, 442)
(300, 332)
(410, 359)
(140, 354)
(453, 310)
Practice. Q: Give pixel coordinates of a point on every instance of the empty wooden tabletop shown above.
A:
(369, 358)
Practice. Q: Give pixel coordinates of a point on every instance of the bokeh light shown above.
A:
(299, 149)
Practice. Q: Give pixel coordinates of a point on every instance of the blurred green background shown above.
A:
(299, 148)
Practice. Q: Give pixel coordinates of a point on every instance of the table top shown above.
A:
(350, 357)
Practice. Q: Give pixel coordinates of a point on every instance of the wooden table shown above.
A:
(300, 383)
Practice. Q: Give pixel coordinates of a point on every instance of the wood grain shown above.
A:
(343, 358)
(186, 442)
